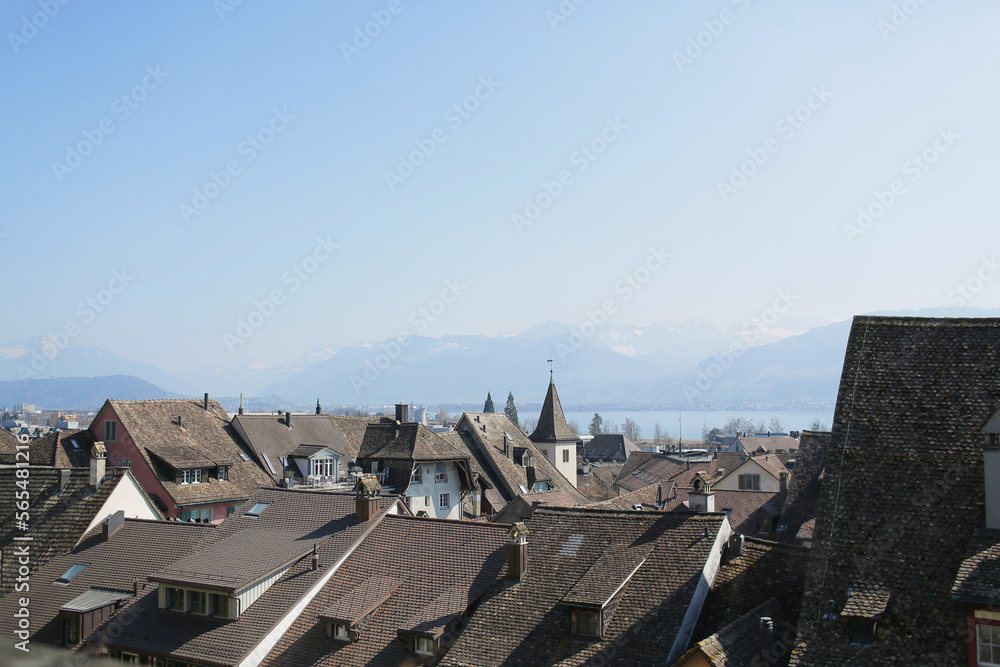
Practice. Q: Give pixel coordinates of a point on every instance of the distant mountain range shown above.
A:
(665, 366)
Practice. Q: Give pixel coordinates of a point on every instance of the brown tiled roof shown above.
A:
(742, 506)
(528, 624)
(978, 578)
(8, 447)
(305, 517)
(764, 570)
(203, 438)
(772, 444)
(483, 436)
(608, 447)
(406, 442)
(63, 449)
(552, 426)
(645, 469)
(903, 488)
(646, 496)
(738, 644)
(62, 505)
(867, 601)
(443, 566)
(138, 548)
(269, 436)
(803, 490)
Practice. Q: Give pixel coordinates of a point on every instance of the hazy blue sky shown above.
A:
(337, 122)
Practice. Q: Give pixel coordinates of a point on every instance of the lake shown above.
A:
(692, 420)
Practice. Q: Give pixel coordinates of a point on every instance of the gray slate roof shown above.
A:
(552, 426)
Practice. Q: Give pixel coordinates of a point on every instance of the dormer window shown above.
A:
(440, 473)
(423, 646)
(525, 459)
(338, 631)
(223, 473)
(993, 439)
(585, 622)
(863, 631)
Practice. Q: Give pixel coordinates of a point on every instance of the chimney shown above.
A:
(135, 588)
(98, 462)
(206, 401)
(112, 524)
(288, 419)
(64, 474)
(734, 547)
(315, 559)
(366, 497)
(784, 481)
(319, 408)
(180, 422)
(530, 475)
(402, 412)
(766, 634)
(506, 443)
(477, 502)
(517, 552)
(241, 402)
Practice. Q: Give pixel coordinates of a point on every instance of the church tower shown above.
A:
(553, 436)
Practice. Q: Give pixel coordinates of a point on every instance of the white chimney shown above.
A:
(98, 464)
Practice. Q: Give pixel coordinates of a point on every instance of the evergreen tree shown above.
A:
(488, 407)
(595, 425)
(511, 409)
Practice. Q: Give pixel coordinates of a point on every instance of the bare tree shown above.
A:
(817, 425)
(631, 430)
(443, 417)
(528, 425)
(573, 426)
(658, 434)
(775, 426)
(611, 427)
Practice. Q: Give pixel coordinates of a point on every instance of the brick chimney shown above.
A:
(366, 497)
(517, 552)
(98, 463)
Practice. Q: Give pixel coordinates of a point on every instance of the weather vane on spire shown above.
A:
(550, 370)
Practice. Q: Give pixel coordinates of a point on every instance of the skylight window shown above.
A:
(257, 509)
(70, 573)
(244, 456)
(76, 445)
(572, 545)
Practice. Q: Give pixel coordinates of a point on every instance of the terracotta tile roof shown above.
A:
(978, 578)
(528, 624)
(62, 505)
(269, 436)
(138, 548)
(738, 644)
(442, 567)
(483, 436)
(903, 489)
(803, 490)
(303, 517)
(552, 426)
(608, 447)
(867, 601)
(203, 438)
(763, 571)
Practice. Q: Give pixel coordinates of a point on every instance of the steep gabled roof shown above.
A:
(742, 506)
(529, 623)
(803, 490)
(483, 435)
(202, 438)
(439, 568)
(8, 447)
(903, 489)
(738, 643)
(608, 447)
(552, 425)
(62, 506)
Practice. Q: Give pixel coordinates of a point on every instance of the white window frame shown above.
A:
(444, 501)
(222, 473)
(185, 476)
(196, 476)
(110, 430)
(417, 476)
(124, 462)
(440, 473)
(419, 641)
(749, 481)
(341, 632)
(994, 648)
